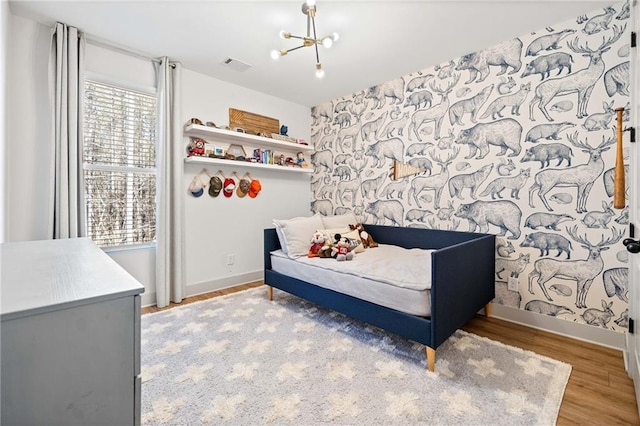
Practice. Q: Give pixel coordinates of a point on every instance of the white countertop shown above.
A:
(40, 276)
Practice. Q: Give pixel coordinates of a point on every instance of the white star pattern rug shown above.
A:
(244, 360)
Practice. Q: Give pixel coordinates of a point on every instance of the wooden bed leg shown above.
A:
(431, 359)
(487, 310)
(270, 292)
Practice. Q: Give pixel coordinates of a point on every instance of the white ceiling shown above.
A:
(379, 40)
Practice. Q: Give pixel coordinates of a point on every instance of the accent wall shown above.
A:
(517, 140)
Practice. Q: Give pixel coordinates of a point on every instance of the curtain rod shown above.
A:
(102, 43)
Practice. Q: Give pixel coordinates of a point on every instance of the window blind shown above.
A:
(119, 164)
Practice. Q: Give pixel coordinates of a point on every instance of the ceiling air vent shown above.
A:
(236, 64)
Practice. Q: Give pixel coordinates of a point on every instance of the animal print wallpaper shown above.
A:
(517, 140)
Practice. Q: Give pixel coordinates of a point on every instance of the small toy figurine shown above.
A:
(343, 248)
(196, 147)
(300, 161)
(283, 130)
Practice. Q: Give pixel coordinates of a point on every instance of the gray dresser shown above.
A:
(70, 335)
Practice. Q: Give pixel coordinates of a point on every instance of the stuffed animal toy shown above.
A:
(196, 147)
(367, 241)
(343, 249)
(320, 246)
(317, 242)
(327, 251)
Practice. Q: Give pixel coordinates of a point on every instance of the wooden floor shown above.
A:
(599, 391)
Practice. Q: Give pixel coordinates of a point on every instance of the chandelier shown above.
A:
(309, 9)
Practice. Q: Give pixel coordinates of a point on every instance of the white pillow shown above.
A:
(283, 242)
(339, 221)
(329, 234)
(297, 233)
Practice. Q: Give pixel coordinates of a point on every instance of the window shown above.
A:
(119, 165)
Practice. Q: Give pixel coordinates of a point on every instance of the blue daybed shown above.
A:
(462, 283)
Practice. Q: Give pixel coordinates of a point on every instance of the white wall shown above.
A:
(4, 46)
(28, 124)
(213, 227)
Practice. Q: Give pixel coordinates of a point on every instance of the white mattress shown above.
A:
(387, 275)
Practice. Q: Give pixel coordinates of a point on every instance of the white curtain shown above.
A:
(170, 283)
(66, 62)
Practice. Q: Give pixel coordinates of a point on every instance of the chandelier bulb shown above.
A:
(319, 70)
(311, 3)
(335, 36)
(327, 42)
(275, 54)
(284, 34)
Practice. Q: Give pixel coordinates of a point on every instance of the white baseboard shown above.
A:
(148, 298)
(209, 286)
(584, 332)
(235, 280)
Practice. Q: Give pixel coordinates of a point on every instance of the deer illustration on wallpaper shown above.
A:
(435, 182)
(349, 133)
(352, 186)
(582, 176)
(580, 82)
(581, 271)
(435, 113)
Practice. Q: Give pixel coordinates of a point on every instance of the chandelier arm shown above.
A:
(315, 37)
(295, 48)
